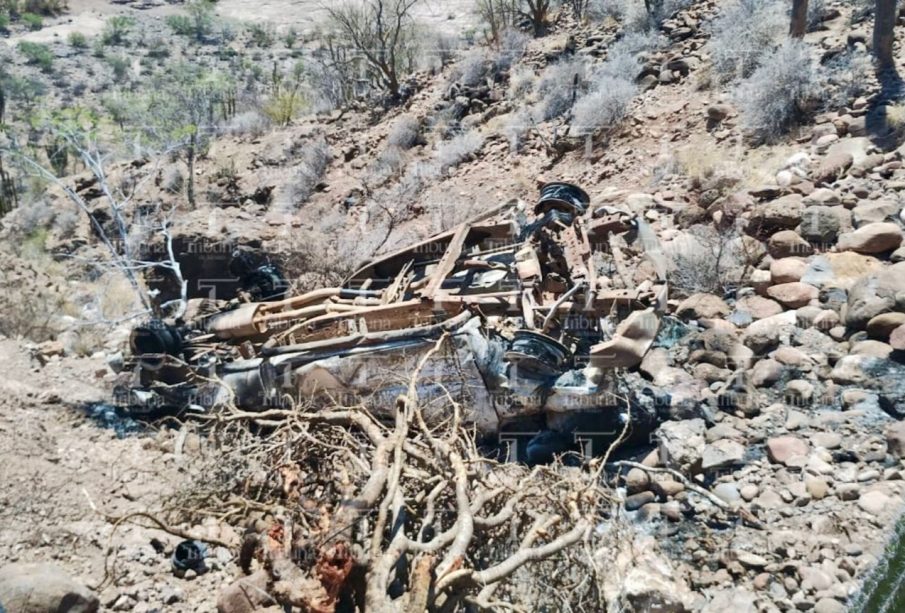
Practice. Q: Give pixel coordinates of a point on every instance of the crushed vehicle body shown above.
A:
(544, 310)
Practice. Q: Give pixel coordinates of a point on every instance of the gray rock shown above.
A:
(819, 225)
(681, 443)
(721, 454)
(873, 294)
(43, 588)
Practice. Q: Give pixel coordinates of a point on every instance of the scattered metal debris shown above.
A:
(544, 308)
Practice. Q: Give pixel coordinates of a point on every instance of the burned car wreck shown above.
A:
(544, 309)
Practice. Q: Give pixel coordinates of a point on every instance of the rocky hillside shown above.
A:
(770, 170)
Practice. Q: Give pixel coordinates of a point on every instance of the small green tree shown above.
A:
(116, 29)
(185, 109)
(37, 54)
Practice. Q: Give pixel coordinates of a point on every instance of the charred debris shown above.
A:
(547, 310)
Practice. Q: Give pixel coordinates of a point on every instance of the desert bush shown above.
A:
(37, 54)
(779, 93)
(743, 34)
(249, 122)
(308, 173)
(32, 302)
(4, 22)
(32, 21)
(197, 22)
(842, 79)
(453, 152)
(120, 66)
(490, 63)
(260, 34)
(78, 40)
(116, 28)
(405, 133)
(43, 7)
(605, 106)
(560, 85)
(284, 105)
(707, 260)
(387, 164)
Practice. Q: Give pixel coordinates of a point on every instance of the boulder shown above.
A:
(722, 454)
(872, 238)
(245, 595)
(786, 449)
(874, 211)
(819, 225)
(681, 443)
(781, 214)
(832, 167)
(874, 294)
(788, 243)
(763, 335)
(765, 373)
(895, 439)
(702, 306)
(793, 295)
(787, 270)
(758, 307)
(43, 588)
(897, 339)
(881, 326)
(839, 269)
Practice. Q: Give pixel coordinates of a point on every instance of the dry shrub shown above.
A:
(32, 301)
(425, 517)
(779, 94)
(308, 173)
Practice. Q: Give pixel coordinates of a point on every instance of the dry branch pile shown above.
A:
(406, 516)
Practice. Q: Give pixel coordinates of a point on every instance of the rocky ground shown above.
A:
(69, 470)
(785, 394)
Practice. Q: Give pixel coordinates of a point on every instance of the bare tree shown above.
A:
(382, 33)
(76, 132)
(538, 13)
(884, 36)
(799, 23)
(498, 15)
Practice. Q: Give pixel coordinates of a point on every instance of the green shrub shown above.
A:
(197, 21)
(78, 40)
(120, 65)
(116, 29)
(42, 7)
(180, 24)
(4, 22)
(290, 38)
(37, 55)
(261, 35)
(32, 21)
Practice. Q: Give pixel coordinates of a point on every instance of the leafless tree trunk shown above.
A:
(381, 31)
(120, 249)
(799, 24)
(884, 22)
(538, 12)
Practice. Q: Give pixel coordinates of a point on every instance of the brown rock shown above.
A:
(758, 306)
(832, 167)
(881, 326)
(781, 214)
(787, 270)
(788, 243)
(897, 339)
(793, 295)
(702, 306)
(782, 449)
(637, 480)
(895, 439)
(871, 238)
(245, 595)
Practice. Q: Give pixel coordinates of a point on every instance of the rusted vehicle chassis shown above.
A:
(543, 310)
